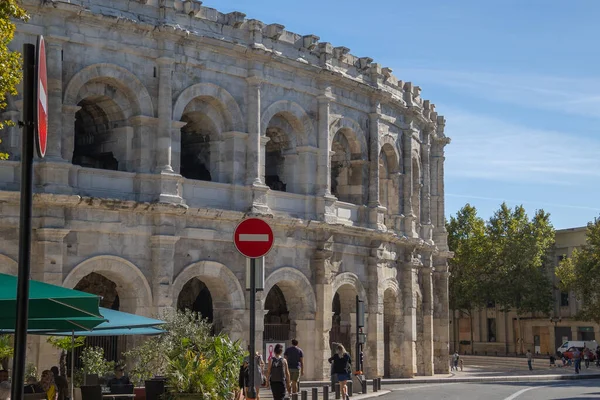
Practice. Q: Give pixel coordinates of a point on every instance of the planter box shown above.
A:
(140, 393)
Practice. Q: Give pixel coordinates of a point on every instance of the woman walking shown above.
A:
(278, 374)
(342, 367)
(47, 383)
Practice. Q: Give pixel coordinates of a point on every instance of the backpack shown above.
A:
(277, 374)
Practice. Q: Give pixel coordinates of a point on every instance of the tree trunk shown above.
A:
(62, 364)
(471, 328)
(519, 334)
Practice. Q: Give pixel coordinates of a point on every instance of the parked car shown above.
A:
(590, 344)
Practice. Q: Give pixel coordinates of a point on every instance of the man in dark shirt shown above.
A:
(119, 379)
(61, 384)
(295, 359)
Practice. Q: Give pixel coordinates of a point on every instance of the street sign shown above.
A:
(253, 237)
(41, 107)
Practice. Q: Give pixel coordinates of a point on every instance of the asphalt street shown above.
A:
(556, 390)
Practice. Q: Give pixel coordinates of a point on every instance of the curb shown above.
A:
(493, 379)
(370, 395)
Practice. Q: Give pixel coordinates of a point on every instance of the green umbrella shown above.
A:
(50, 307)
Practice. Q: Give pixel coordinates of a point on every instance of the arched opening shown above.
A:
(277, 318)
(389, 336)
(348, 169)
(201, 140)
(101, 137)
(113, 346)
(195, 296)
(343, 305)
(389, 180)
(280, 157)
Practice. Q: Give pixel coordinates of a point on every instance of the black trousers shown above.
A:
(278, 390)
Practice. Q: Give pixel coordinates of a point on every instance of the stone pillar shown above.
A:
(176, 145)
(163, 157)
(68, 131)
(48, 255)
(428, 350)
(441, 317)
(376, 212)
(321, 266)
(163, 256)
(437, 189)
(410, 218)
(307, 161)
(143, 128)
(409, 350)
(253, 168)
(427, 227)
(305, 334)
(235, 149)
(10, 135)
(324, 199)
(55, 96)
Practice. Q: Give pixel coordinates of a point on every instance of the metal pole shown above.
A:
(72, 380)
(252, 360)
(357, 354)
(20, 347)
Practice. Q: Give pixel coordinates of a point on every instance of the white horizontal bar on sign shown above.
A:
(253, 237)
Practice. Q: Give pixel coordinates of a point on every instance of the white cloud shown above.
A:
(574, 96)
(492, 149)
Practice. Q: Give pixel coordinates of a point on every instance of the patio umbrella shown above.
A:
(51, 307)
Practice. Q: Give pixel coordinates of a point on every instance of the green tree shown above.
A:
(65, 344)
(519, 249)
(581, 274)
(468, 268)
(10, 61)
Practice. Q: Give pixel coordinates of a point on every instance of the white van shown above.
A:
(590, 344)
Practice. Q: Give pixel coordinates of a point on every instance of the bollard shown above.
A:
(349, 386)
(304, 395)
(294, 396)
(364, 386)
(325, 392)
(374, 385)
(378, 383)
(315, 394)
(338, 391)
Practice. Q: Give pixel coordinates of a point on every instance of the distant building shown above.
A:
(496, 331)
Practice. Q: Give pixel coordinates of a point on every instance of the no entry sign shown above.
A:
(41, 106)
(253, 237)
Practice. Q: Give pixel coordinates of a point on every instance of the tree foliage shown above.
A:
(10, 61)
(581, 274)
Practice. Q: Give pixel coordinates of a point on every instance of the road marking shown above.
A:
(249, 237)
(520, 392)
(421, 386)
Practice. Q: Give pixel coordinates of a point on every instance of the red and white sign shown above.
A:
(41, 106)
(253, 237)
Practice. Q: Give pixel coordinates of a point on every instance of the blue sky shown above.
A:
(518, 82)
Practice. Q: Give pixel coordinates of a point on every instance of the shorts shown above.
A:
(344, 377)
(294, 375)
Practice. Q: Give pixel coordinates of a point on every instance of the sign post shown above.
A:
(253, 238)
(35, 106)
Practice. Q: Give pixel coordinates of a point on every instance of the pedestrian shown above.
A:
(455, 358)
(586, 357)
(5, 390)
(258, 374)
(577, 359)
(342, 367)
(552, 361)
(278, 374)
(460, 363)
(529, 359)
(295, 360)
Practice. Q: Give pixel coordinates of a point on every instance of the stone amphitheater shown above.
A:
(170, 122)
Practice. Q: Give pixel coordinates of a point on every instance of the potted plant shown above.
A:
(6, 350)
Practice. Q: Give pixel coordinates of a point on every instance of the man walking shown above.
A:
(577, 359)
(295, 360)
(529, 359)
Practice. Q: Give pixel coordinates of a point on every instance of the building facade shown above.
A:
(170, 122)
(496, 332)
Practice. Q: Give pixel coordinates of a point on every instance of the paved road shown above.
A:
(557, 390)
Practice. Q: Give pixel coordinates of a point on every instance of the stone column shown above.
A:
(253, 172)
(374, 351)
(441, 317)
(305, 334)
(235, 148)
(409, 350)
(325, 201)
(48, 255)
(163, 158)
(428, 360)
(321, 266)
(68, 131)
(55, 96)
(308, 162)
(427, 227)
(143, 128)
(410, 218)
(163, 256)
(376, 211)
(437, 157)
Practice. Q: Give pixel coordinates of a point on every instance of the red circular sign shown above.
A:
(253, 237)
(41, 99)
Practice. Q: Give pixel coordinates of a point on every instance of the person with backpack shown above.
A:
(278, 374)
(342, 367)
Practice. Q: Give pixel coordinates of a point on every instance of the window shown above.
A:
(564, 299)
(491, 329)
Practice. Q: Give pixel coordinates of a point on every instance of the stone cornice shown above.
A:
(51, 234)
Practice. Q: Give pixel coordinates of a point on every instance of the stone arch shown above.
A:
(349, 278)
(132, 286)
(391, 284)
(296, 116)
(353, 132)
(233, 114)
(225, 288)
(297, 289)
(389, 145)
(115, 75)
(8, 265)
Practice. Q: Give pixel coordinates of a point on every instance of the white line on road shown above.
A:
(249, 237)
(420, 386)
(520, 392)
